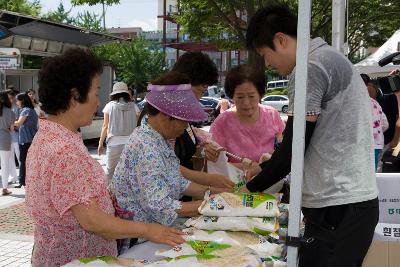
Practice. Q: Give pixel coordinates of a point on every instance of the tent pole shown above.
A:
(303, 41)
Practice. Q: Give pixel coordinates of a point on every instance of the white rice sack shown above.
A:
(212, 236)
(262, 226)
(273, 262)
(105, 261)
(240, 204)
(178, 251)
(192, 262)
(233, 260)
(267, 249)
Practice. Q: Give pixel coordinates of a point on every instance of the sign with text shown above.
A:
(8, 63)
(389, 197)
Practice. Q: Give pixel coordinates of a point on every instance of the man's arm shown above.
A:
(279, 165)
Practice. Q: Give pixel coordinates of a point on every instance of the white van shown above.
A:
(277, 84)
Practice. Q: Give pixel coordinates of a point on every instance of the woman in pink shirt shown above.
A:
(66, 194)
(249, 129)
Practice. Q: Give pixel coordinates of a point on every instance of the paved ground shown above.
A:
(16, 227)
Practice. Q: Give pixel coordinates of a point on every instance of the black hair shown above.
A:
(74, 69)
(4, 101)
(365, 78)
(125, 96)
(244, 73)
(25, 100)
(198, 67)
(266, 22)
(35, 102)
(11, 92)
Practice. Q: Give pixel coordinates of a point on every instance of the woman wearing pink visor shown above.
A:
(147, 182)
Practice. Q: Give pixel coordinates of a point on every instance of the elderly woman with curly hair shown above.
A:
(66, 194)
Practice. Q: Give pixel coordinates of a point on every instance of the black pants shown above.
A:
(23, 152)
(342, 234)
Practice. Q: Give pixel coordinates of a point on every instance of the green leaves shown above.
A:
(60, 15)
(89, 21)
(94, 2)
(137, 62)
(32, 8)
(224, 22)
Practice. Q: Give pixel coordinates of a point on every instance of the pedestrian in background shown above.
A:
(120, 119)
(31, 93)
(379, 121)
(27, 123)
(7, 119)
(11, 93)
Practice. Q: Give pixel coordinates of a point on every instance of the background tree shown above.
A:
(60, 15)
(88, 20)
(32, 8)
(136, 62)
(224, 22)
(95, 2)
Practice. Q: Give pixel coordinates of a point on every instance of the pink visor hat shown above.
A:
(177, 101)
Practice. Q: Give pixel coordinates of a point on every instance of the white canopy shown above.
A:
(370, 64)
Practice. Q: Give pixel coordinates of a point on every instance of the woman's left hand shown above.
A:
(220, 181)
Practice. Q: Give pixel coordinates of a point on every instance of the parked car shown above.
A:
(280, 102)
(210, 105)
(141, 104)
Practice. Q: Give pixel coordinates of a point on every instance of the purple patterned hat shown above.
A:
(177, 101)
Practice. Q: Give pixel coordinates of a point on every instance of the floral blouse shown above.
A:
(147, 182)
(60, 174)
(379, 124)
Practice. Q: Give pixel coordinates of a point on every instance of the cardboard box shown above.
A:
(383, 254)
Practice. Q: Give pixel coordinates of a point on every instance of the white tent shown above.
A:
(370, 64)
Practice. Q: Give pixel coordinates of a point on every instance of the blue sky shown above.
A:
(129, 13)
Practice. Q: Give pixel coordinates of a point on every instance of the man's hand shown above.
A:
(158, 233)
(212, 151)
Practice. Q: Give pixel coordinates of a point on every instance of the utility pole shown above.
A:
(338, 24)
(104, 15)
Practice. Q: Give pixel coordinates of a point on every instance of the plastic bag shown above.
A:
(262, 226)
(223, 167)
(239, 204)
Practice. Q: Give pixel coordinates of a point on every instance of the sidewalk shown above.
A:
(16, 227)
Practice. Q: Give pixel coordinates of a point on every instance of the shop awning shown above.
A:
(36, 36)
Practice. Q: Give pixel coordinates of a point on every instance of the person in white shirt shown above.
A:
(120, 119)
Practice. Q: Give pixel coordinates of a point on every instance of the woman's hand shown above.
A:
(212, 151)
(158, 233)
(220, 181)
(252, 171)
(244, 190)
(100, 149)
